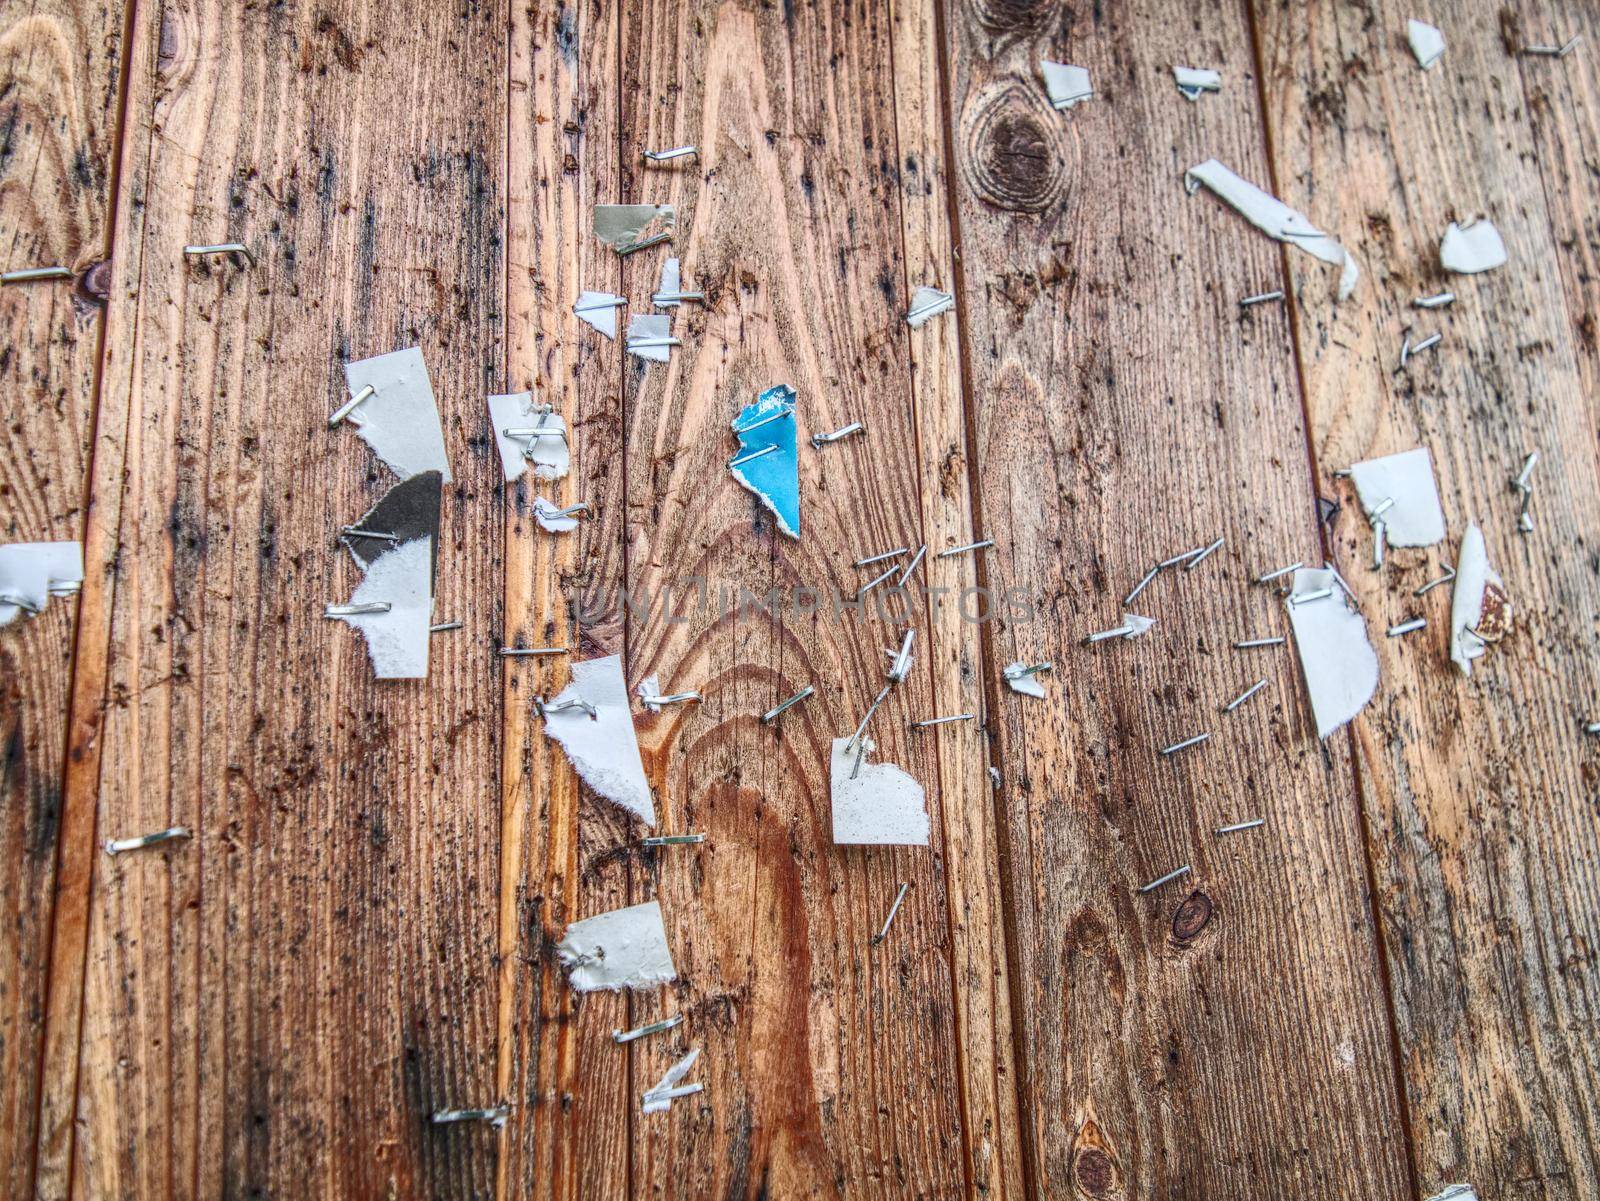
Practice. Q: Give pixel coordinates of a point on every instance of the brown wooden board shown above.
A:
(60, 72)
(278, 1005)
(1223, 1035)
(1480, 793)
(565, 851)
(831, 1066)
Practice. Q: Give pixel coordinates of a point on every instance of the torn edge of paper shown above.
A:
(623, 948)
(1416, 517)
(599, 309)
(1456, 1192)
(1025, 682)
(927, 304)
(1065, 84)
(1274, 218)
(630, 227)
(1337, 660)
(671, 284)
(546, 453)
(1469, 249)
(647, 334)
(548, 514)
(659, 1097)
(605, 748)
(1427, 43)
(397, 640)
(32, 571)
(773, 477)
(880, 806)
(400, 420)
(1193, 81)
(1480, 611)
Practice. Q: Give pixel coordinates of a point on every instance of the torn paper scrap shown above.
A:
(666, 1089)
(545, 451)
(671, 286)
(551, 518)
(1427, 43)
(408, 511)
(650, 336)
(30, 572)
(625, 948)
(1469, 249)
(604, 748)
(1136, 625)
(1338, 662)
(1274, 218)
(629, 227)
(397, 640)
(767, 463)
(599, 309)
(1066, 85)
(400, 420)
(1022, 680)
(874, 803)
(1415, 517)
(927, 304)
(1456, 1192)
(1480, 611)
(1192, 81)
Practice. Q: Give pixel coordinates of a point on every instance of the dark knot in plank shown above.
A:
(1013, 149)
(1015, 16)
(1192, 917)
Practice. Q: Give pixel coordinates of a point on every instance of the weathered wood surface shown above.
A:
(1480, 793)
(1126, 411)
(60, 70)
(362, 931)
(276, 1006)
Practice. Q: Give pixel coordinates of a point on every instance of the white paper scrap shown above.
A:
(1338, 662)
(625, 948)
(660, 1097)
(1274, 218)
(1479, 611)
(1469, 249)
(1427, 43)
(599, 309)
(1066, 85)
(881, 805)
(400, 421)
(651, 326)
(604, 748)
(547, 453)
(1192, 81)
(1137, 625)
(29, 571)
(1415, 518)
(545, 513)
(1456, 1192)
(927, 304)
(1025, 682)
(671, 282)
(397, 641)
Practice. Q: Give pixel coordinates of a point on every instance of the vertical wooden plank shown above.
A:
(1223, 1036)
(972, 820)
(829, 1064)
(277, 1006)
(60, 74)
(569, 1083)
(1480, 792)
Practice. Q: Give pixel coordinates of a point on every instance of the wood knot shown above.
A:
(1013, 153)
(1094, 1163)
(1028, 17)
(1192, 917)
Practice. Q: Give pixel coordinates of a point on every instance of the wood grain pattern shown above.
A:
(565, 851)
(1126, 411)
(60, 71)
(1480, 792)
(277, 1006)
(830, 1065)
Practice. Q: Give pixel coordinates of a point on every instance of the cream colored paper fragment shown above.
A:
(625, 948)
